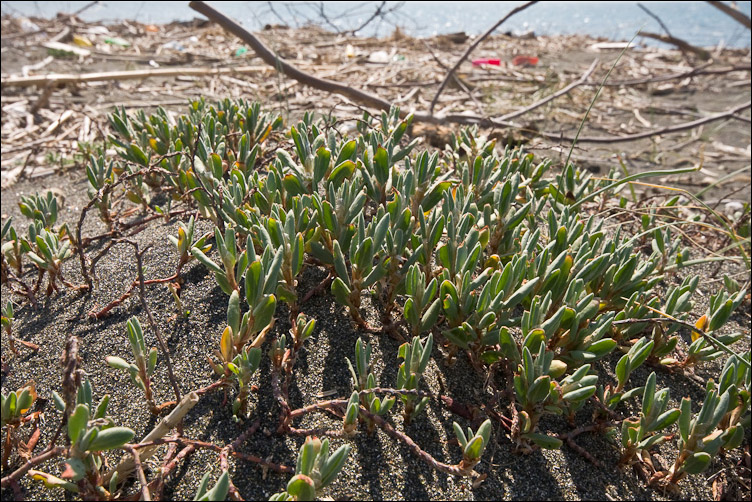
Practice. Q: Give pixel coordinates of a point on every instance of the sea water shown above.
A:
(695, 22)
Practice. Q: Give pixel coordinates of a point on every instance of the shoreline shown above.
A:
(400, 70)
(699, 23)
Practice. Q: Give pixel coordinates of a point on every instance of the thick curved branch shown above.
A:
(678, 42)
(273, 60)
(471, 48)
(733, 13)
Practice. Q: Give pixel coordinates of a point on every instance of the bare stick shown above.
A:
(663, 26)
(157, 483)
(738, 16)
(231, 448)
(582, 80)
(454, 77)
(365, 23)
(700, 70)
(55, 79)
(569, 438)
(655, 132)
(333, 403)
(654, 16)
(145, 495)
(85, 8)
(425, 456)
(471, 48)
(18, 473)
(486, 122)
(154, 326)
(209, 446)
(126, 466)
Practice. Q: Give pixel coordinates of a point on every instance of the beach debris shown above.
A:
(66, 49)
(524, 61)
(482, 61)
(120, 42)
(82, 41)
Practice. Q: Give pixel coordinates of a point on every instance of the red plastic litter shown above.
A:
(478, 62)
(525, 60)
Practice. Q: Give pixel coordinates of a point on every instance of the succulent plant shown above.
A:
(142, 370)
(217, 492)
(415, 356)
(316, 468)
(49, 255)
(363, 379)
(91, 432)
(641, 434)
(472, 444)
(186, 241)
(478, 246)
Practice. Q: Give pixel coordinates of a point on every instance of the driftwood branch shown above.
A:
(663, 130)
(486, 122)
(726, 9)
(127, 465)
(69, 78)
(273, 60)
(677, 42)
(471, 48)
(699, 70)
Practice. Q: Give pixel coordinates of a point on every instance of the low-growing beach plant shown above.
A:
(13, 249)
(217, 492)
(363, 379)
(415, 356)
(234, 262)
(15, 407)
(422, 307)
(42, 208)
(99, 173)
(702, 435)
(639, 435)
(711, 346)
(538, 393)
(243, 366)
(48, 255)
(187, 240)
(472, 444)
(91, 432)
(367, 265)
(7, 321)
(516, 269)
(142, 370)
(315, 469)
